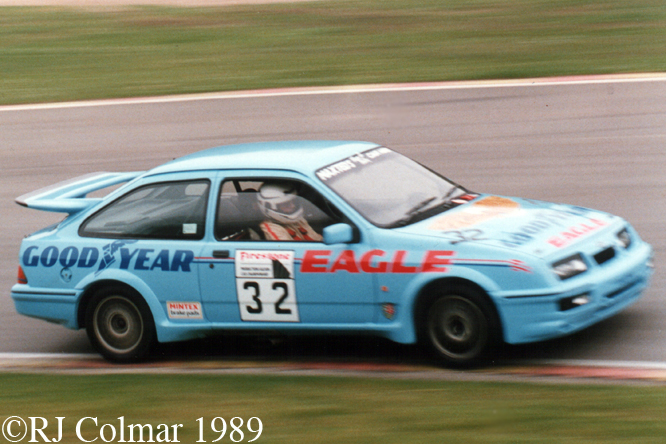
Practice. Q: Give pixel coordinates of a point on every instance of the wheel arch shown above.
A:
(430, 291)
(93, 288)
(118, 321)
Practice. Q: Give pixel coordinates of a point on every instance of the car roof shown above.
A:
(304, 156)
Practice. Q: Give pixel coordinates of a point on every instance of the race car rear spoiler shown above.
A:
(70, 196)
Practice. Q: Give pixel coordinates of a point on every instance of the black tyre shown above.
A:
(460, 327)
(119, 324)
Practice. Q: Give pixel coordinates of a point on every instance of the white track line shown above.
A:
(637, 365)
(9, 357)
(352, 89)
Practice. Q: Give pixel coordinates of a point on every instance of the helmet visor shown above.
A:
(289, 207)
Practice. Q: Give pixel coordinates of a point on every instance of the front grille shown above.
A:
(604, 255)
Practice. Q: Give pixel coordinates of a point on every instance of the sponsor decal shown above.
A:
(265, 286)
(375, 261)
(184, 310)
(147, 259)
(577, 231)
(380, 261)
(470, 235)
(350, 163)
(109, 252)
(265, 264)
(543, 220)
(487, 208)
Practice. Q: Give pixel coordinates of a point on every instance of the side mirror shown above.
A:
(338, 234)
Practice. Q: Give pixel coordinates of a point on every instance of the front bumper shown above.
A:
(579, 302)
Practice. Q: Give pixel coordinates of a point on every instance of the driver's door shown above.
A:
(246, 278)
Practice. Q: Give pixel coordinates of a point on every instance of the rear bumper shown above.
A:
(57, 306)
(598, 294)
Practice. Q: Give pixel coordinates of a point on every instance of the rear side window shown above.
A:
(168, 210)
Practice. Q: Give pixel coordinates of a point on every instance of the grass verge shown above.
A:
(335, 410)
(56, 54)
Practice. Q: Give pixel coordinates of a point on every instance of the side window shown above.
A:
(168, 210)
(271, 209)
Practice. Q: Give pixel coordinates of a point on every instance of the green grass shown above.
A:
(337, 410)
(55, 54)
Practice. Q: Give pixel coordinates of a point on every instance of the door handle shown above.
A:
(221, 254)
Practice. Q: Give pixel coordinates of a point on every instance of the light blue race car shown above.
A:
(319, 237)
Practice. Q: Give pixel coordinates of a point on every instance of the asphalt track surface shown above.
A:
(595, 142)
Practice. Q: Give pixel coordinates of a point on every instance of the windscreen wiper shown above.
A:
(413, 212)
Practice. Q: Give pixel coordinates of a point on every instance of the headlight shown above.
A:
(570, 267)
(624, 238)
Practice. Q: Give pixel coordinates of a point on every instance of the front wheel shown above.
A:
(119, 325)
(460, 327)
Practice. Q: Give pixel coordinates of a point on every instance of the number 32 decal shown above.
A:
(268, 300)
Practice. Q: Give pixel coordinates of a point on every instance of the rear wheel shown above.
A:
(119, 324)
(460, 327)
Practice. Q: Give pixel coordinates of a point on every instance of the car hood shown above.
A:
(533, 227)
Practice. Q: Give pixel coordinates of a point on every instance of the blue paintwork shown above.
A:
(508, 254)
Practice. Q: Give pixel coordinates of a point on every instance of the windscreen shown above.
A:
(387, 188)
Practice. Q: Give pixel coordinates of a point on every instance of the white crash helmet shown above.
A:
(279, 202)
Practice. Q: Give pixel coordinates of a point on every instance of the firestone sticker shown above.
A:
(265, 264)
(265, 286)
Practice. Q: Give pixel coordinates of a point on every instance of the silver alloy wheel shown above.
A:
(457, 328)
(118, 324)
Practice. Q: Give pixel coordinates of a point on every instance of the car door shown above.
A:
(250, 274)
